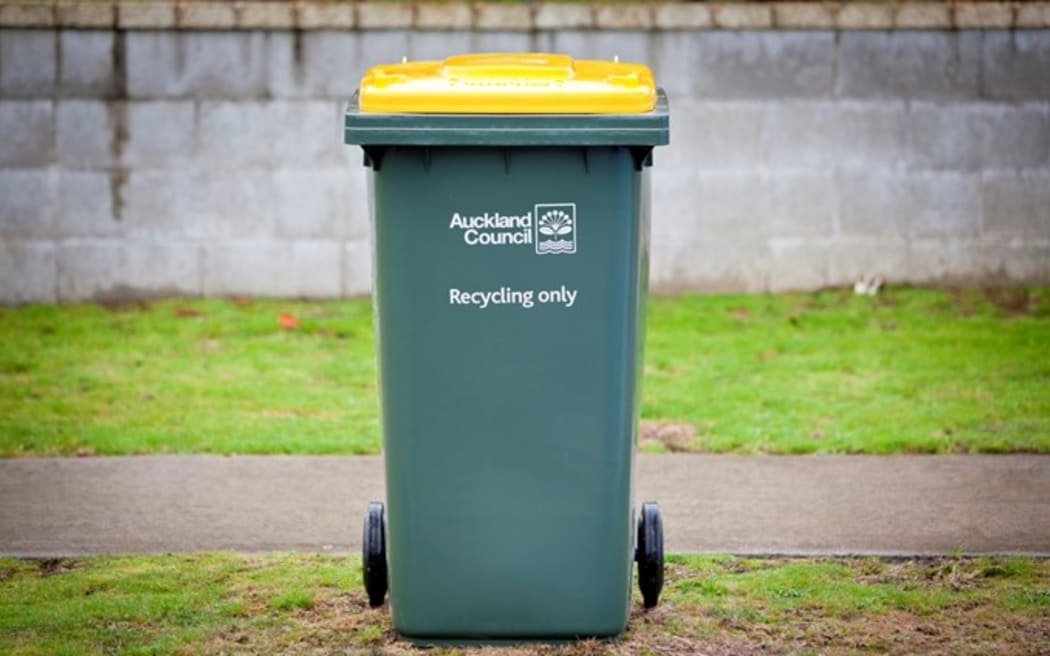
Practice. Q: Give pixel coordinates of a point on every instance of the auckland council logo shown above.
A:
(555, 228)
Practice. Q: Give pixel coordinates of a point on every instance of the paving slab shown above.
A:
(893, 505)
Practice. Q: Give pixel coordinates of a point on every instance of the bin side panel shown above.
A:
(509, 379)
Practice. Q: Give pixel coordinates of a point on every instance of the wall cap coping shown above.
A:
(656, 16)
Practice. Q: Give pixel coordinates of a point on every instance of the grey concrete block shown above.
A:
(1016, 204)
(84, 133)
(763, 64)
(86, 203)
(803, 15)
(923, 16)
(983, 15)
(90, 269)
(317, 137)
(798, 264)
(384, 15)
(1017, 136)
(240, 133)
(900, 205)
(324, 64)
(146, 15)
(802, 205)
(160, 204)
(853, 259)
(162, 268)
(152, 63)
(443, 16)
(285, 59)
(87, 63)
(1015, 64)
(711, 265)
(682, 16)
(1033, 15)
(357, 268)
(266, 15)
(672, 57)
(865, 16)
(674, 202)
(874, 205)
(278, 133)
(27, 63)
(972, 136)
(732, 205)
(492, 41)
(953, 261)
(232, 204)
(196, 64)
(503, 17)
(27, 202)
(630, 46)
(929, 65)
(623, 16)
(206, 15)
(321, 203)
(86, 16)
(844, 135)
(563, 16)
(542, 41)
(28, 133)
(24, 14)
(377, 47)
(426, 45)
(743, 16)
(224, 65)
(27, 272)
(316, 16)
(716, 135)
(1026, 263)
(945, 205)
(160, 134)
(273, 268)
(210, 204)
(944, 136)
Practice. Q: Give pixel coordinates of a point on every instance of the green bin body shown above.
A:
(510, 358)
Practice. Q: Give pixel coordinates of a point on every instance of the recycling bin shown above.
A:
(510, 208)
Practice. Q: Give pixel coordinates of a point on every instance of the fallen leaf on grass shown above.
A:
(187, 312)
(288, 321)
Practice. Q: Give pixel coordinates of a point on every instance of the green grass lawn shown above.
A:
(222, 603)
(912, 371)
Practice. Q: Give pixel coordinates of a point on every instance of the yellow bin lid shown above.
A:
(502, 83)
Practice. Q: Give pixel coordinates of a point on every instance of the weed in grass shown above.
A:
(294, 598)
(370, 634)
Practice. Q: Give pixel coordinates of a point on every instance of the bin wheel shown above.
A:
(373, 555)
(650, 554)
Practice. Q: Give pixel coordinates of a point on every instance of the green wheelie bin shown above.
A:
(510, 210)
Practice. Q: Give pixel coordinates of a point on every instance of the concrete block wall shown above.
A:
(184, 152)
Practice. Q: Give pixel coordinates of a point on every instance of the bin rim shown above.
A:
(408, 129)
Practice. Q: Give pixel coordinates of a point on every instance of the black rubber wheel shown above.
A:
(650, 554)
(373, 555)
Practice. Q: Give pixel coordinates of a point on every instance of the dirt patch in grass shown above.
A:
(55, 566)
(667, 435)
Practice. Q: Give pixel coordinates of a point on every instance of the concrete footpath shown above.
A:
(743, 504)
